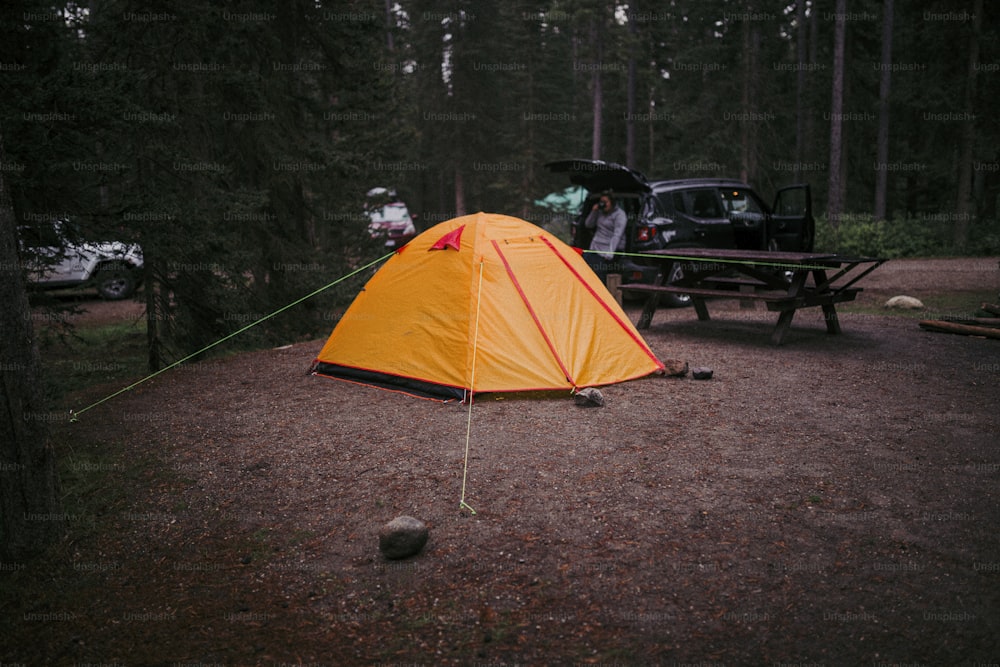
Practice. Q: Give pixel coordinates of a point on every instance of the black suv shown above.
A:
(689, 213)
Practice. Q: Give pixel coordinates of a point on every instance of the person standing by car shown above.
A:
(608, 222)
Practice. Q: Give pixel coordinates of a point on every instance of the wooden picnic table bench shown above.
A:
(784, 281)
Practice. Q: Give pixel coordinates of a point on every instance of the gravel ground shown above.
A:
(832, 501)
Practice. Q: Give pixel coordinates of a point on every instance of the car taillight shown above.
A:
(645, 233)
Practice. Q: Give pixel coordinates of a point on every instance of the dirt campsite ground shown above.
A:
(834, 501)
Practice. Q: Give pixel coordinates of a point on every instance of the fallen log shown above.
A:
(964, 329)
(975, 321)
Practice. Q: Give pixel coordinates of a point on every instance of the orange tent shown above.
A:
(487, 303)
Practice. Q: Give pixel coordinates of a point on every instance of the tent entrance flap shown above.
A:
(399, 383)
(534, 315)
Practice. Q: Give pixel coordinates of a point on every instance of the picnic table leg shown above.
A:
(829, 310)
(700, 308)
(648, 311)
(830, 315)
(781, 328)
(795, 288)
(652, 303)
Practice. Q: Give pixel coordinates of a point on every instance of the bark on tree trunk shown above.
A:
(800, 88)
(459, 192)
(30, 514)
(633, 31)
(598, 106)
(748, 124)
(885, 82)
(388, 25)
(834, 204)
(964, 207)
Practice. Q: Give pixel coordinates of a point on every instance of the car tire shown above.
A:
(675, 271)
(115, 282)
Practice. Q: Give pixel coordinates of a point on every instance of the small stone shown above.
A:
(701, 373)
(589, 398)
(904, 302)
(675, 368)
(402, 537)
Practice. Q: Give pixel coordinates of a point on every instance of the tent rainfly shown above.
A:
(485, 303)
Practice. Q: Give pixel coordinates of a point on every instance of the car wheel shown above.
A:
(675, 272)
(115, 282)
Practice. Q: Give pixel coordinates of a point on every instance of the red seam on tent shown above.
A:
(534, 316)
(641, 343)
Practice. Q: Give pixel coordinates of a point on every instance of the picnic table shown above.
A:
(784, 281)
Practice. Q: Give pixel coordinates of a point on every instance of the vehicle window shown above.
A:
(40, 236)
(702, 203)
(739, 201)
(391, 213)
(793, 202)
(651, 208)
(630, 204)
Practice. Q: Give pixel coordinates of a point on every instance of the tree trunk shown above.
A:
(748, 124)
(800, 88)
(882, 145)
(30, 514)
(598, 93)
(633, 31)
(153, 315)
(459, 192)
(834, 205)
(964, 209)
(388, 26)
(810, 132)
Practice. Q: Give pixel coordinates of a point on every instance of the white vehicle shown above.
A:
(389, 218)
(55, 258)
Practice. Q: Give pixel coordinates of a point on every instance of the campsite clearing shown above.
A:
(832, 501)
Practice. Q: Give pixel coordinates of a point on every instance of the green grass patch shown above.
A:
(91, 356)
(938, 306)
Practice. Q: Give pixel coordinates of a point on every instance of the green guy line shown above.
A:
(74, 416)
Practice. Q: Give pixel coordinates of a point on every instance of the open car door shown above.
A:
(792, 226)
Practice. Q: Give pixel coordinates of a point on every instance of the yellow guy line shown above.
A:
(75, 415)
(472, 386)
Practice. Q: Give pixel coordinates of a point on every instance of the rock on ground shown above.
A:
(906, 302)
(675, 368)
(589, 398)
(402, 537)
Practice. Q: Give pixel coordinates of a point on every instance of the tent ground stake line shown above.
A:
(472, 389)
(75, 415)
